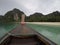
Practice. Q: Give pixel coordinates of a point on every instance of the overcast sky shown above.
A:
(30, 6)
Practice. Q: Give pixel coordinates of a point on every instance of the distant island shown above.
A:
(36, 17)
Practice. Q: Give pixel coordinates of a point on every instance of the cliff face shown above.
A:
(36, 17)
(11, 15)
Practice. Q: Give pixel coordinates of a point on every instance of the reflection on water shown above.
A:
(5, 28)
(51, 32)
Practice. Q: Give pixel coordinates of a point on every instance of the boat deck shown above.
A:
(22, 30)
(24, 41)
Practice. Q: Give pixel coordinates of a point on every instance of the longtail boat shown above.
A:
(23, 35)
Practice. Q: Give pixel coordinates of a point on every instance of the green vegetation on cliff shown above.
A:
(9, 16)
(39, 17)
(36, 17)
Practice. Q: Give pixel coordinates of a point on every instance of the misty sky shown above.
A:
(30, 6)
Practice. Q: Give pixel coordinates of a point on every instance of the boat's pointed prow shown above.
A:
(23, 19)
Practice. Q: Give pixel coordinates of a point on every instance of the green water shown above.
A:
(51, 32)
(5, 28)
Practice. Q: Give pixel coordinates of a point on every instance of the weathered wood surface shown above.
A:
(22, 30)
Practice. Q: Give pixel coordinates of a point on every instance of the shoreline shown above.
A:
(44, 23)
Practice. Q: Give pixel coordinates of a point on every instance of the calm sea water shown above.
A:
(6, 27)
(50, 31)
